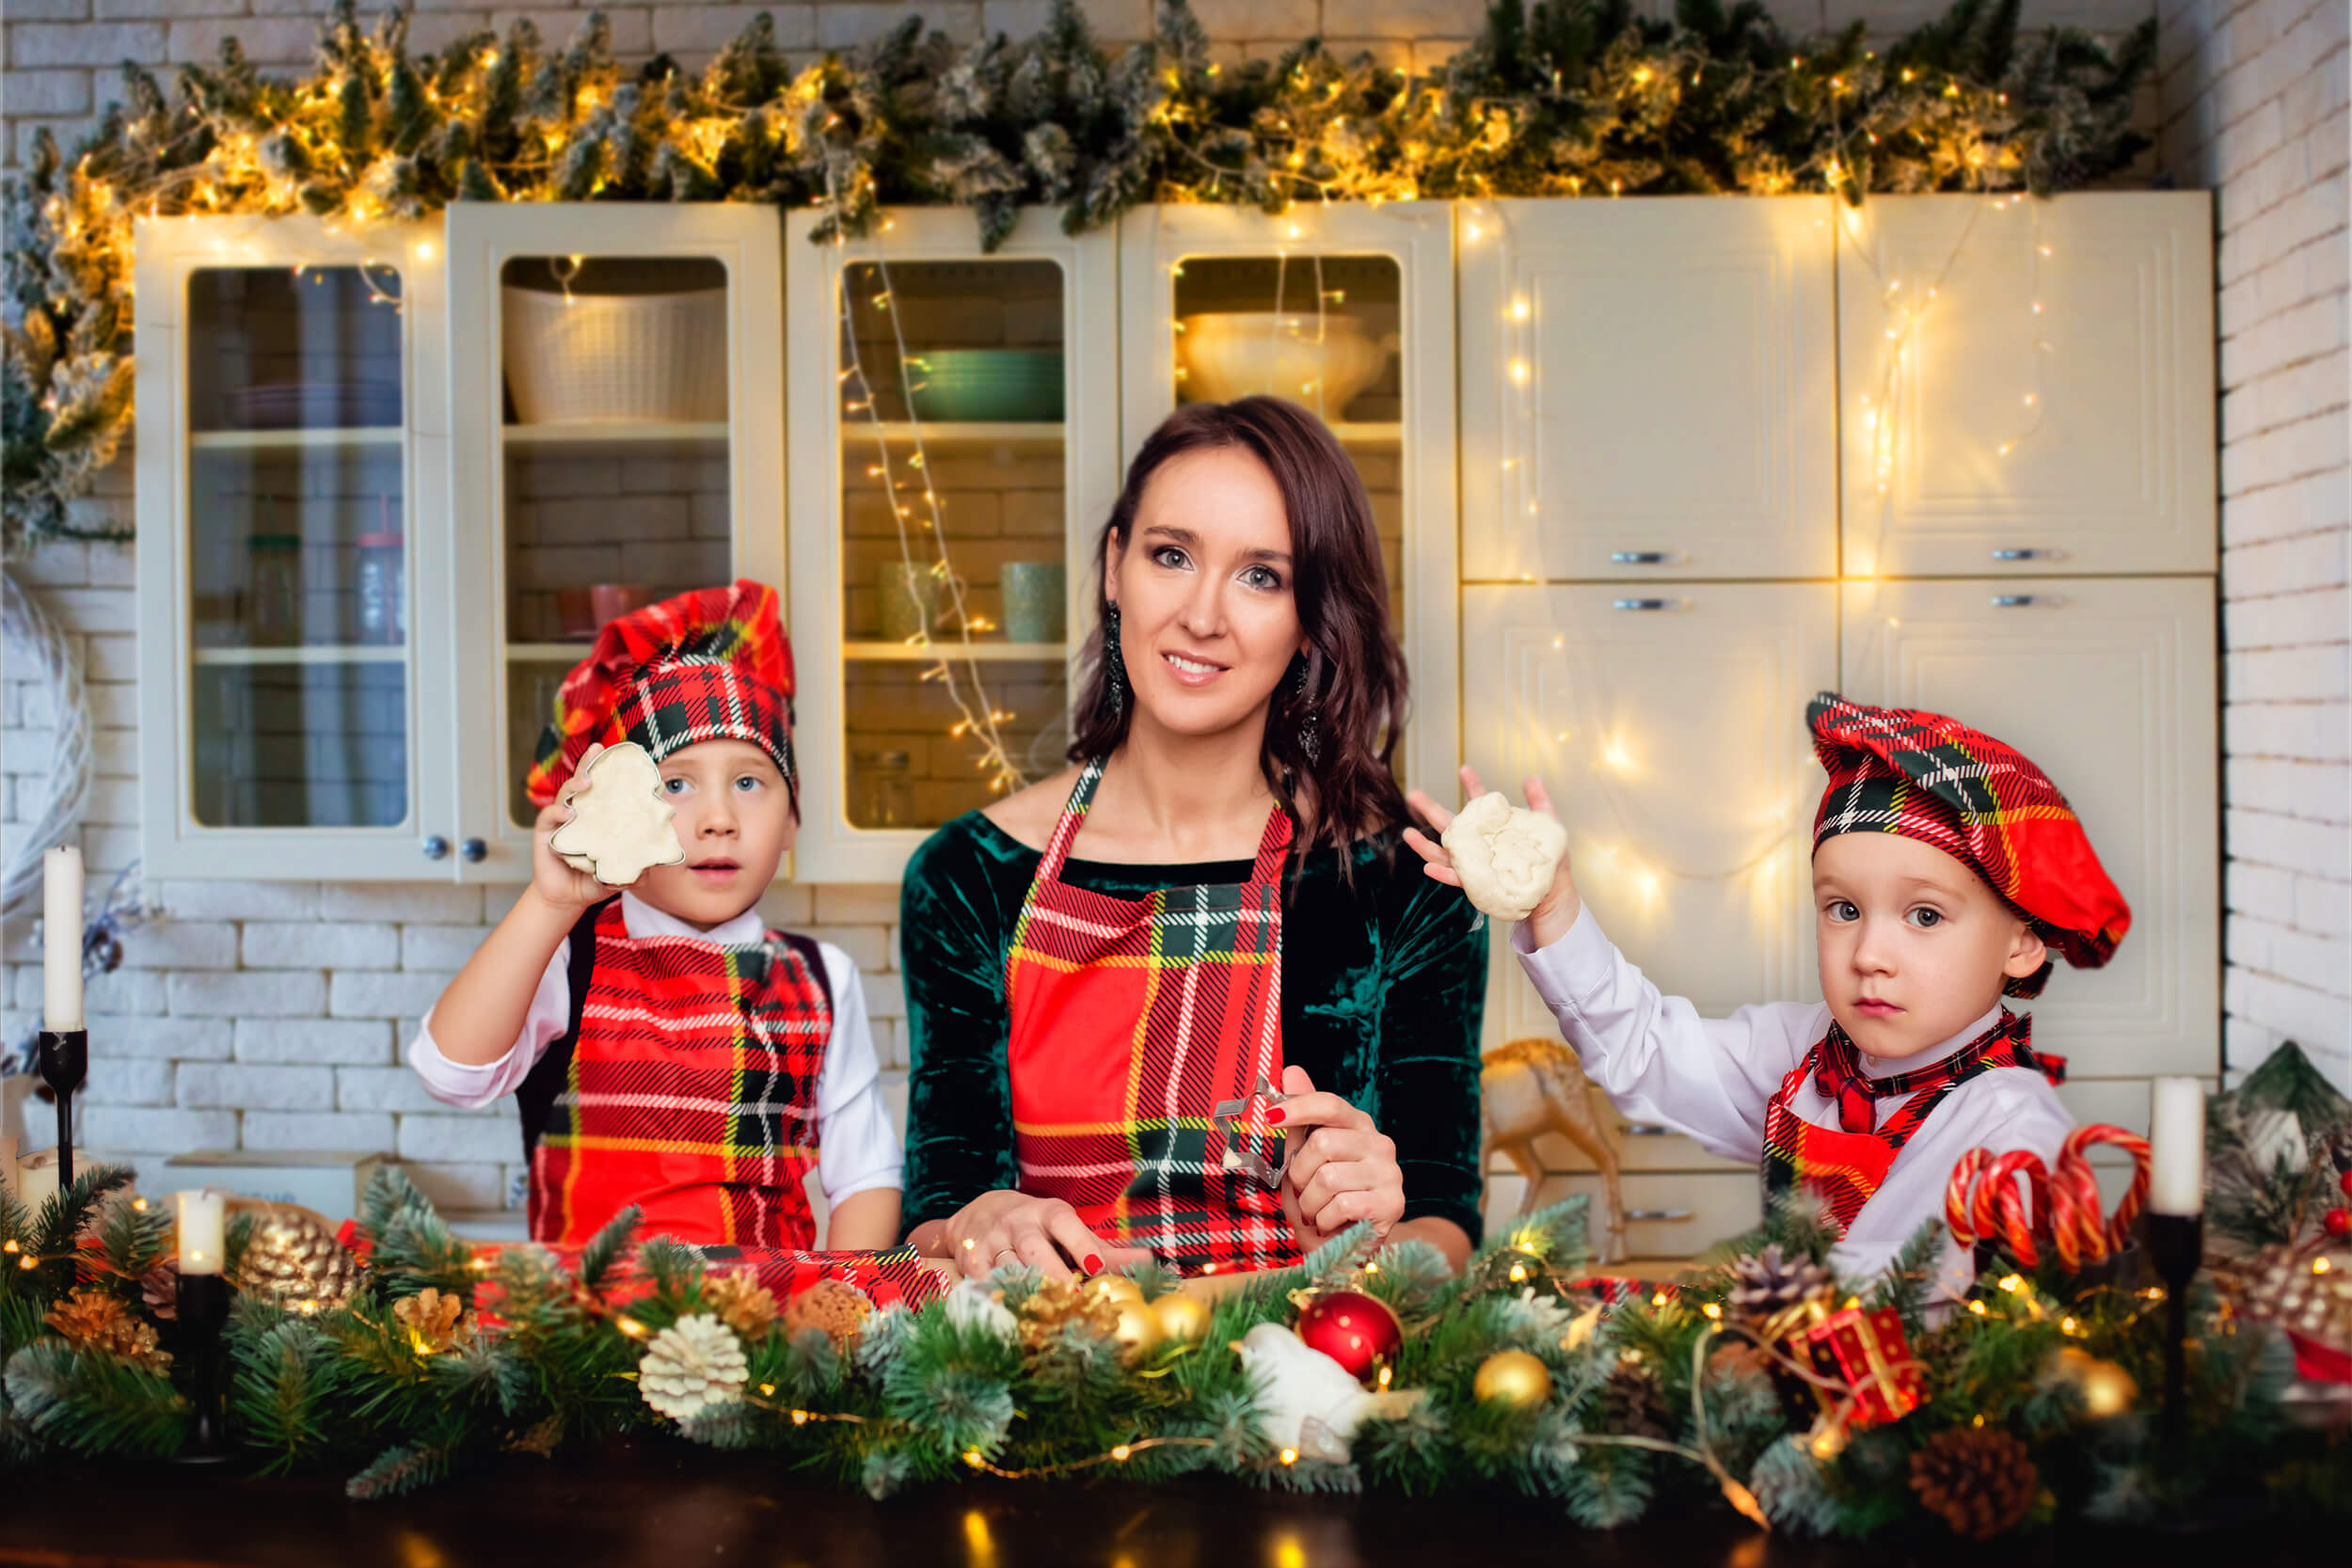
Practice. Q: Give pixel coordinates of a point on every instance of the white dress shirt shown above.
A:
(1712, 1078)
(857, 1148)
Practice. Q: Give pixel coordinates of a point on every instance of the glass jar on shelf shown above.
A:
(273, 589)
(881, 786)
(383, 612)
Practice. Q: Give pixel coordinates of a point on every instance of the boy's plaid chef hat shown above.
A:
(1901, 770)
(708, 665)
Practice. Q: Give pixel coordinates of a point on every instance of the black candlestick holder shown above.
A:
(2176, 1246)
(203, 1311)
(64, 1063)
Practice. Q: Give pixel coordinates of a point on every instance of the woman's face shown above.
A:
(1207, 621)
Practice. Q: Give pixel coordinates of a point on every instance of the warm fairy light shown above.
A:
(1120, 1453)
(2012, 1283)
(1288, 1456)
(1977, 1307)
(1520, 310)
(1659, 1299)
(629, 1326)
(9, 1245)
(972, 1457)
(1712, 1310)
(2319, 1265)
(2068, 1325)
(28, 1261)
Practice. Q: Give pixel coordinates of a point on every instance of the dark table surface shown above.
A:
(686, 1508)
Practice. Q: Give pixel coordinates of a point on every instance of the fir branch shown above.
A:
(606, 1246)
(399, 1470)
(95, 1405)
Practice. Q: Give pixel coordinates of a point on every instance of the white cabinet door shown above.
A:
(2027, 386)
(294, 523)
(617, 374)
(2109, 686)
(1348, 309)
(1672, 740)
(1648, 389)
(954, 456)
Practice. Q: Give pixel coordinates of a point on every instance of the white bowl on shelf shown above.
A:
(616, 358)
(1235, 353)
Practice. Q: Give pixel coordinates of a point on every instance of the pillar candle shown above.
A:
(61, 939)
(202, 1221)
(2176, 1147)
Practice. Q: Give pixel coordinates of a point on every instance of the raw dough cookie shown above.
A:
(1506, 856)
(620, 823)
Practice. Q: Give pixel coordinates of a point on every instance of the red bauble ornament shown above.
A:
(2345, 1182)
(2338, 1222)
(1355, 1330)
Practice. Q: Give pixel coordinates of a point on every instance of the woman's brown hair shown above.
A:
(1354, 674)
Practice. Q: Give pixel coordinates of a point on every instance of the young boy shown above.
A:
(1946, 869)
(667, 1049)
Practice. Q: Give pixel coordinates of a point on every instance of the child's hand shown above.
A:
(552, 878)
(1549, 920)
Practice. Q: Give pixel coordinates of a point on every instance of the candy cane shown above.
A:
(1982, 1202)
(2119, 1225)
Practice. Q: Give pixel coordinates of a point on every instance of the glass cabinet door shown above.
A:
(280, 460)
(620, 414)
(1347, 311)
(953, 415)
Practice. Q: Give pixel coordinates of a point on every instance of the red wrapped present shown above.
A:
(1868, 1350)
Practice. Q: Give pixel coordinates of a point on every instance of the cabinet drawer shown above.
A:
(1676, 1215)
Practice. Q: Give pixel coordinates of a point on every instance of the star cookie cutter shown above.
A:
(1233, 1119)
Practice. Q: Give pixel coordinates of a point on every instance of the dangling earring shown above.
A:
(1310, 727)
(1114, 663)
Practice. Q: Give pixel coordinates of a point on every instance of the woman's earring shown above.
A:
(1114, 663)
(1310, 726)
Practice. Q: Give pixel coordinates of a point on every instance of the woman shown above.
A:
(1111, 974)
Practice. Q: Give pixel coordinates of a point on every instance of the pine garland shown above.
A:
(1555, 98)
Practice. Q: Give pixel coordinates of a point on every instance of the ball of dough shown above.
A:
(1505, 856)
(620, 823)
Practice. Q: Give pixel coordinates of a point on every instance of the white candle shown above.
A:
(61, 939)
(202, 1221)
(2176, 1147)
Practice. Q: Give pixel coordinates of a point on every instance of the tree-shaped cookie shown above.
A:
(620, 824)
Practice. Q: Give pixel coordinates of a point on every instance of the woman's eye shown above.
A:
(1169, 557)
(1262, 576)
(1926, 918)
(1841, 909)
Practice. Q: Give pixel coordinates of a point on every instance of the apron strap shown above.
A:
(1271, 847)
(1058, 847)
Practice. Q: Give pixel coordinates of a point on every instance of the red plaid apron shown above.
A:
(688, 1088)
(1131, 1022)
(1845, 1165)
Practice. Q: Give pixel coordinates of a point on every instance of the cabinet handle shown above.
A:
(1658, 1214)
(474, 850)
(1647, 1129)
(436, 848)
(2024, 601)
(2029, 555)
(1642, 604)
(1641, 558)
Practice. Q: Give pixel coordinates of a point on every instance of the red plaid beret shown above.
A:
(709, 665)
(1899, 770)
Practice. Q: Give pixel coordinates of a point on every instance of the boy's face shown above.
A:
(1913, 945)
(735, 821)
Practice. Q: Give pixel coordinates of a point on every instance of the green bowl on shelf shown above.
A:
(985, 386)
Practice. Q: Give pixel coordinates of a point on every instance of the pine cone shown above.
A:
(743, 1303)
(294, 1261)
(93, 1321)
(1632, 1404)
(1766, 1282)
(1980, 1481)
(159, 1290)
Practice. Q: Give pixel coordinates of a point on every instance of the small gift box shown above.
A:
(1870, 1350)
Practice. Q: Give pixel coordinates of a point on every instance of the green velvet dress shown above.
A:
(1383, 985)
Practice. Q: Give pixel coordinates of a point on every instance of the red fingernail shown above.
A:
(1095, 1263)
(1274, 1117)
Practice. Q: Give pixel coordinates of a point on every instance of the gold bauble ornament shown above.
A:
(1115, 1287)
(294, 1259)
(2107, 1389)
(1184, 1319)
(1138, 1331)
(1515, 1378)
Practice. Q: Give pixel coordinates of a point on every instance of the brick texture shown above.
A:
(2253, 104)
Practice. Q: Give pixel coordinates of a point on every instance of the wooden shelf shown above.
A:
(708, 435)
(549, 653)
(295, 440)
(905, 652)
(313, 652)
(860, 432)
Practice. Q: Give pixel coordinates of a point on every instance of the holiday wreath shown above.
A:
(1758, 1382)
(1556, 97)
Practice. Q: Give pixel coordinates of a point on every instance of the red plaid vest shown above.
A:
(1845, 1165)
(687, 1084)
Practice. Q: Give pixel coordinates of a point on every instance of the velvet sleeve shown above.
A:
(1434, 975)
(955, 921)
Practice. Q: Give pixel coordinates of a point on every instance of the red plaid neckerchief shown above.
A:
(1846, 1163)
(1925, 776)
(712, 664)
(1131, 1021)
(688, 1089)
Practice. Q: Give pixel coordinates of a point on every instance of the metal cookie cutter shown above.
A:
(1236, 1150)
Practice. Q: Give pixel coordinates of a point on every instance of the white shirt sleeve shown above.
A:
(1653, 1056)
(857, 1148)
(471, 1085)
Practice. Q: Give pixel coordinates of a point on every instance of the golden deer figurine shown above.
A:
(1528, 1087)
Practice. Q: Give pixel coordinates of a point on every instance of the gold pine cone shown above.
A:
(1056, 1301)
(744, 1303)
(93, 1321)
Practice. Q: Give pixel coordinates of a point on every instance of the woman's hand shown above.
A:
(1549, 920)
(1344, 1171)
(1043, 1233)
(552, 878)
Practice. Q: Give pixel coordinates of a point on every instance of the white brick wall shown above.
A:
(2253, 104)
